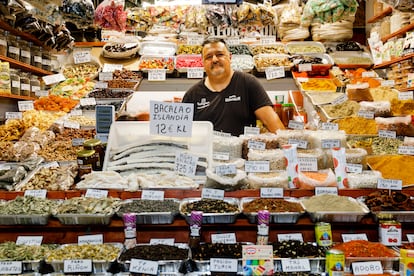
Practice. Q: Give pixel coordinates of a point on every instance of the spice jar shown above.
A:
(24, 84)
(34, 85)
(15, 81)
(13, 50)
(3, 42)
(86, 159)
(25, 55)
(46, 60)
(277, 107)
(287, 113)
(36, 56)
(96, 145)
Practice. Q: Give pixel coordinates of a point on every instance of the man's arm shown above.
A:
(269, 118)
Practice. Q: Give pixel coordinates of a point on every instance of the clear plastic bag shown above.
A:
(110, 15)
(321, 178)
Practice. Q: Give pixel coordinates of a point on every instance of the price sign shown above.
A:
(308, 164)
(105, 76)
(36, 193)
(195, 39)
(256, 166)
(52, 79)
(369, 74)
(251, 131)
(258, 145)
(25, 105)
(212, 193)
(221, 134)
(71, 124)
(95, 193)
(405, 95)
(185, 164)
(354, 237)
(326, 190)
(226, 169)
(341, 99)
(157, 74)
(290, 237)
(10, 267)
(267, 40)
(171, 119)
(389, 83)
(77, 266)
(29, 240)
(82, 55)
(389, 184)
(301, 144)
(108, 67)
(223, 156)
(195, 72)
(366, 268)
(42, 93)
(305, 67)
(407, 150)
(75, 112)
(162, 241)
(366, 114)
(78, 141)
(52, 164)
(143, 266)
(271, 192)
(296, 125)
(152, 195)
(223, 265)
(14, 115)
(275, 72)
(354, 168)
(233, 40)
(330, 143)
(227, 238)
(101, 84)
(387, 134)
(90, 239)
(295, 265)
(410, 237)
(87, 101)
(329, 126)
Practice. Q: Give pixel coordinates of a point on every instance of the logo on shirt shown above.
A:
(203, 103)
(233, 98)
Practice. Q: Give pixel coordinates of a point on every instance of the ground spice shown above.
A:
(394, 167)
(402, 107)
(334, 203)
(357, 125)
(361, 248)
(345, 109)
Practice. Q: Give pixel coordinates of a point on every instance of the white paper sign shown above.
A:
(341, 99)
(223, 156)
(354, 237)
(257, 166)
(410, 237)
(195, 39)
(223, 265)
(330, 143)
(95, 193)
(329, 126)
(152, 195)
(354, 168)
(195, 72)
(267, 39)
(389, 184)
(108, 67)
(157, 74)
(251, 130)
(143, 266)
(266, 192)
(258, 145)
(77, 266)
(212, 193)
(10, 267)
(296, 125)
(295, 265)
(29, 240)
(226, 169)
(36, 193)
(407, 150)
(290, 237)
(101, 84)
(185, 164)
(308, 164)
(301, 144)
(387, 134)
(91, 239)
(305, 67)
(52, 79)
(162, 241)
(275, 73)
(326, 190)
(71, 124)
(25, 105)
(13, 115)
(366, 268)
(390, 83)
(408, 95)
(366, 114)
(105, 76)
(78, 141)
(227, 238)
(82, 56)
(87, 101)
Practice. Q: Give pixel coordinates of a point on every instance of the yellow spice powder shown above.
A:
(394, 167)
(357, 125)
(402, 107)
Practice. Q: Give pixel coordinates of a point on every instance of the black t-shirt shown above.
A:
(231, 109)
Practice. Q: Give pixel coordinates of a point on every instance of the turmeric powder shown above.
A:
(402, 107)
(394, 167)
(357, 125)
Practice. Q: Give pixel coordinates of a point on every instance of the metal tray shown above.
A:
(157, 48)
(248, 63)
(316, 98)
(349, 59)
(84, 219)
(281, 217)
(213, 217)
(283, 57)
(29, 219)
(280, 48)
(290, 47)
(154, 57)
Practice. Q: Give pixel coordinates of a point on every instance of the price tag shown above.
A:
(157, 74)
(162, 241)
(301, 144)
(87, 101)
(389, 184)
(102, 136)
(407, 150)
(227, 238)
(305, 67)
(52, 164)
(95, 193)
(25, 105)
(171, 119)
(295, 265)
(152, 195)
(258, 145)
(301, 79)
(75, 112)
(109, 67)
(91, 239)
(326, 190)
(366, 268)
(341, 99)
(330, 143)
(308, 164)
(29, 240)
(233, 40)
(77, 266)
(13, 115)
(296, 125)
(78, 142)
(106, 76)
(251, 131)
(185, 164)
(389, 83)
(223, 265)
(82, 55)
(223, 156)
(221, 134)
(354, 168)
(275, 72)
(36, 193)
(366, 114)
(71, 124)
(369, 74)
(329, 126)
(267, 40)
(271, 192)
(11, 267)
(52, 79)
(143, 266)
(195, 72)
(354, 237)
(405, 95)
(42, 93)
(387, 134)
(410, 237)
(101, 84)
(226, 169)
(195, 39)
(212, 193)
(290, 237)
(256, 166)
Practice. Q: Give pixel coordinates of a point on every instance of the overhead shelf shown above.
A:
(24, 35)
(391, 62)
(400, 32)
(24, 66)
(380, 16)
(17, 97)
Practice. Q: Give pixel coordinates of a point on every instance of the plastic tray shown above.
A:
(194, 57)
(326, 64)
(212, 217)
(285, 62)
(84, 219)
(157, 48)
(279, 48)
(317, 98)
(24, 219)
(314, 47)
(349, 59)
(300, 84)
(164, 59)
(245, 60)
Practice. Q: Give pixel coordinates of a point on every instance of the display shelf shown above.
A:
(388, 63)
(406, 89)
(17, 97)
(380, 16)
(24, 35)
(24, 66)
(90, 44)
(401, 31)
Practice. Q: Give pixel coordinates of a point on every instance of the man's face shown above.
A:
(216, 59)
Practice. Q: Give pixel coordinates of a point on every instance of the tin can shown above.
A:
(323, 234)
(335, 262)
(390, 233)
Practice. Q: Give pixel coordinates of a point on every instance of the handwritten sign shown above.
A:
(143, 266)
(267, 192)
(77, 266)
(212, 193)
(257, 166)
(275, 73)
(195, 72)
(152, 195)
(171, 119)
(185, 163)
(82, 55)
(90, 239)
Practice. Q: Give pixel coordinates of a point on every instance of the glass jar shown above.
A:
(3, 42)
(96, 145)
(25, 84)
(25, 55)
(34, 85)
(36, 56)
(46, 60)
(288, 110)
(85, 160)
(15, 81)
(278, 109)
(13, 50)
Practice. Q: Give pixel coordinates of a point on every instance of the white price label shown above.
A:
(329, 126)
(354, 168)
(152, 195)
(389, 83)
(157, 74)
(95, 193)
(267, 39)
(271, 192)
(354, 237)
(13, 115)
(290, 237)
(296, 125)
(369, 74)
(233, 40)
(257, 166)
(405, 95)
(78, 142)
(223, 265)
(387, 134)
(227, 238)
(75, 112)
(223, 156)
(258, 145)
(143, 266)
(101, 84)
(36, 193)
(195, 72)
(77, 266)
(407, 150)
(326, 190)
(295, 265)
(29, 240)
(330, 143)
(221, 134)
(109, 67)
(102, 136)
(87, 101)
(389, 184)
(366, 114)
(226, 169)
(82, 56)
(185, 164)
(301, 144)
(251, 130)
(105, 76)
(25, 105)
(91, 239)
(308, 164)
(195, 40)
(341, 99)
(71, 124)
(366, 268)
(52, 164)
(162, 241)
(275, 73)
(11, 267)
(305, 67)
(42, 93)
(52, 79)
(410, 237)
(212, 193)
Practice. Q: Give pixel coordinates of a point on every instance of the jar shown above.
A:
(46, 60)
(96, 145)
(36, 56)
(34, 85)
(15, 81)
(3, 42)
(25, 55)
(277, 107)
(86, 160)
(25, 84)
(288, 110)
(301, 115)
(54, 64)
(13, 50)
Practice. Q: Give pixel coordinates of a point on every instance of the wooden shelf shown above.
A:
(399, 32)
(380, 16)
(17, 97)
(388, 63)
(406, 89)
(24, 66)
(23, 35)
(90, 44)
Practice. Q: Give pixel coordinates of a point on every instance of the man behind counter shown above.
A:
(229, 99)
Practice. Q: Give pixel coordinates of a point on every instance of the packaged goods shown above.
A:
(401, 125)
(358, 92)
(357, 125)
(301, 137)
(379, 108)
(229, 182)
(345, 109)
(320, 178)
(268, 140)
(269, 179)
(275, 157)
(352, 156)
(365, 179)
(327, 138)
(316, 154)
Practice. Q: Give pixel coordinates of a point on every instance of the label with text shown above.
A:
(152, 195)
(171, 119)
(267, 192)
(212, 193)
(185, 164)
(257, 166)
